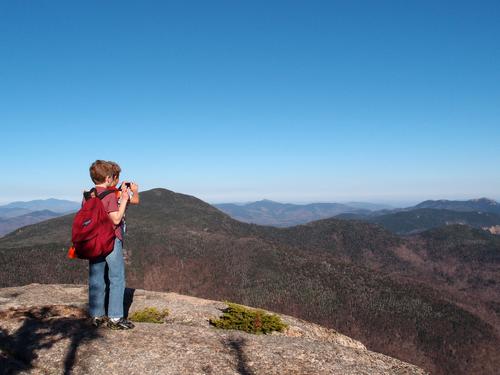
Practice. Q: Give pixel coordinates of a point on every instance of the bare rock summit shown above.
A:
(44, 329)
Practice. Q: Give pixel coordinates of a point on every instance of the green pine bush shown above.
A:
(149, 315)
(249, 320)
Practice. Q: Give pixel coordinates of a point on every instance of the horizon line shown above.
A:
(374, 200)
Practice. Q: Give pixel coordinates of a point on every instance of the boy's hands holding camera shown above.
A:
(130, 185)
(132, 198)
(125, 195)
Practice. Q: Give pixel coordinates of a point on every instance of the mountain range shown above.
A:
(7, 225)
(480, 213)
(51, 204)
(18, 214)
(478, 205)
(421, 219)
(267, 212)
(431, 299)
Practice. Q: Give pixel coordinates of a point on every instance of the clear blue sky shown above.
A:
(294, 101)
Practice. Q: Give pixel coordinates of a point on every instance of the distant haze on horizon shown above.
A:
(390, 202)
(385, 102)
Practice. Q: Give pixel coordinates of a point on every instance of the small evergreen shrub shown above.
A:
(149, 315)
(249, 320)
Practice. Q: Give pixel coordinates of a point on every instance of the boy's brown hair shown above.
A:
(115, 168)
(99, 170)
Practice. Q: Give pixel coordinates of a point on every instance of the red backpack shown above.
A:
(93, 233)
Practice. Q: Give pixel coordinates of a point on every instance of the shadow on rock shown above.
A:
(237, 344)
(41, 328)
(128, 298)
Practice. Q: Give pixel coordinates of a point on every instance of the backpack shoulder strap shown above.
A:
(104, 193)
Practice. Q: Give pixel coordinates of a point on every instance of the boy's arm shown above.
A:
(135, 197)
(117, 216)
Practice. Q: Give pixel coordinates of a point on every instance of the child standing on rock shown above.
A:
(104, 175)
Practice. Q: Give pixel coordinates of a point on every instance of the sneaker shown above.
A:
(121, 323)
(98, 321)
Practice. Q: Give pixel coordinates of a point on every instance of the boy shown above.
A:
(101, 173)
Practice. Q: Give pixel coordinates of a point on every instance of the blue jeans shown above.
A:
(97, 283)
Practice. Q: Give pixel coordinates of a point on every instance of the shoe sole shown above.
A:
(99, 323)
(118, 327)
